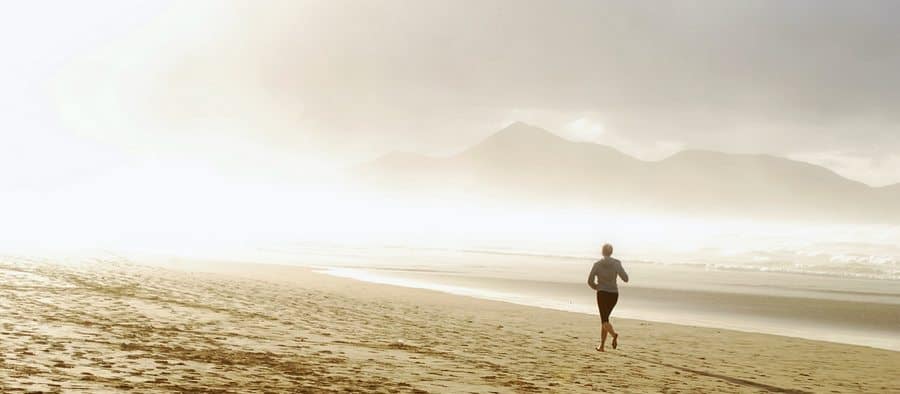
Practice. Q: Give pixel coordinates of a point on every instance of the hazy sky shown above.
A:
(272, 89)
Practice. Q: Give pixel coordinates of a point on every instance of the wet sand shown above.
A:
(865, 323)
(114, 325)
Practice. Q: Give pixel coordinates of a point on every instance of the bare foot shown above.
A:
(615, 342)
(599, 348)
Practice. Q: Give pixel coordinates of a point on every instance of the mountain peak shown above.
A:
(523, 133)
(519, 124)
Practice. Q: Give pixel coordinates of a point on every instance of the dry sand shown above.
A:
(114, 326)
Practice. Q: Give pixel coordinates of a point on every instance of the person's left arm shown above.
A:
(622, 273)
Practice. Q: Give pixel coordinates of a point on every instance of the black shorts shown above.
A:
(606, 301)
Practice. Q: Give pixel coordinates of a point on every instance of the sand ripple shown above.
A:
(104, 327)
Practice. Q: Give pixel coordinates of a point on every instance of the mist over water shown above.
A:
(839, 250)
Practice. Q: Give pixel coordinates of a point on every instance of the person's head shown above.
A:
(607, 250)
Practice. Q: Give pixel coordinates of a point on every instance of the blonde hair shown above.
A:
(607, 250)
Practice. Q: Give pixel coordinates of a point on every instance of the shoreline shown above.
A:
(877, 337)
(186, 325)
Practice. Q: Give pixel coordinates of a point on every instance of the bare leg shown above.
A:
(615, 342)
(609, 328)
(602, 338)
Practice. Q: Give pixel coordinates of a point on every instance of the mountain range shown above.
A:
(523, 164)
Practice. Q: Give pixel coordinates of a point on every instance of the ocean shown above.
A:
(851, 301)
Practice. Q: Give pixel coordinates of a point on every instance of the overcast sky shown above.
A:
(264, 87)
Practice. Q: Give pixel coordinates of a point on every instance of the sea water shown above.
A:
(814, 296)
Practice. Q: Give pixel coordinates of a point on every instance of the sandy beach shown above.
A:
(114, 325)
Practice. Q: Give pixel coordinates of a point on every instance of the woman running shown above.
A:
(606, 271)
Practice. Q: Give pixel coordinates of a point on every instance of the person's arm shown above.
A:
(591, 277)
(622, 273)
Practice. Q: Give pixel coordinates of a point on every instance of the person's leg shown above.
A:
(615, 335)
(609, 328)
(602, 326)
(603, 307)
(602, 338)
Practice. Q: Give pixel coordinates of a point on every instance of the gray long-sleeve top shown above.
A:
(606, 271)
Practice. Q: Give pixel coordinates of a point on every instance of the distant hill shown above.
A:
(522, 164)
(890, 194)
(895, 188)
